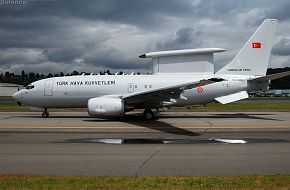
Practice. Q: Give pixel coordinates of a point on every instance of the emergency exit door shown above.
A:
(48, 89)
(130, 87)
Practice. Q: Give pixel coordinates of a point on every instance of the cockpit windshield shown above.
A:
(29, 87)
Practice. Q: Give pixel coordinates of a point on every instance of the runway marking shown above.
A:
(138, 127)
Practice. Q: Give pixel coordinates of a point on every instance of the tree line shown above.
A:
(27, 78)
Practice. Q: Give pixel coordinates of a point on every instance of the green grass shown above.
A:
(136, 183)
(12, 106)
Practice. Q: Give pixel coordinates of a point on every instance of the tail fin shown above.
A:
(253, 58)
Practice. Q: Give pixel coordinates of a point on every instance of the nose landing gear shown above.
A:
(45, 113)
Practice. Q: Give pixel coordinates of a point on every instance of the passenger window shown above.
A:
(145, 86)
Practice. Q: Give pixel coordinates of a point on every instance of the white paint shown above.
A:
(111, 141)
(232, 97)
(183, 52)
(183, 61)
(231, 141)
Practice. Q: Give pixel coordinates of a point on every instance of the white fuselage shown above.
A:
(75, 91)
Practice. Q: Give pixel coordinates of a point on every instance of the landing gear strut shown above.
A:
(148, 114)
(45, 113)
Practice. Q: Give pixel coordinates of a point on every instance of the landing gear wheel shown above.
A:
(148, 114)
(45, 113)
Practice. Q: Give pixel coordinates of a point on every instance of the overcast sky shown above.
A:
(53, 36)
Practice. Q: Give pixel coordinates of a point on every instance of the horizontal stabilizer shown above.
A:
(232, 97)
(271, 77)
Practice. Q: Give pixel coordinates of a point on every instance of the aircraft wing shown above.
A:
(166, 93)
(271, 77)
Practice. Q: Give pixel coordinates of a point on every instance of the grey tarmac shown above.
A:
(208, 143)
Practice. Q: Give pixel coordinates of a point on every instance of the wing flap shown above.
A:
(232, 97)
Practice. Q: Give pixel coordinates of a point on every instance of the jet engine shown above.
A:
(106, 106)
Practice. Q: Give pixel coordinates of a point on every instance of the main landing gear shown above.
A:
(45, 113)
(148, 114)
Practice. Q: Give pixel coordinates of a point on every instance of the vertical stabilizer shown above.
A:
(253, 58)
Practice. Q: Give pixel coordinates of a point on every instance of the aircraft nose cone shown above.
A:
(15, 96)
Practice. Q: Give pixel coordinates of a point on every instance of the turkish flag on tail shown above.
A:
(256, 45)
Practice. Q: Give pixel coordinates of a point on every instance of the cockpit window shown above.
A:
(30, 86)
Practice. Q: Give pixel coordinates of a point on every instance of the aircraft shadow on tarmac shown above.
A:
(224, 116)
(55, 115)
(138, 117)
(153, 124)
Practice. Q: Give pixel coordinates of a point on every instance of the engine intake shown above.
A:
(106, 106)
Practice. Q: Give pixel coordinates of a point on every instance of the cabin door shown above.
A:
(48, 89)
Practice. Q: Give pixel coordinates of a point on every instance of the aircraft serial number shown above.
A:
(239, 69)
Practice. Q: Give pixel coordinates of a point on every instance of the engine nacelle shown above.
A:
(106, 106)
